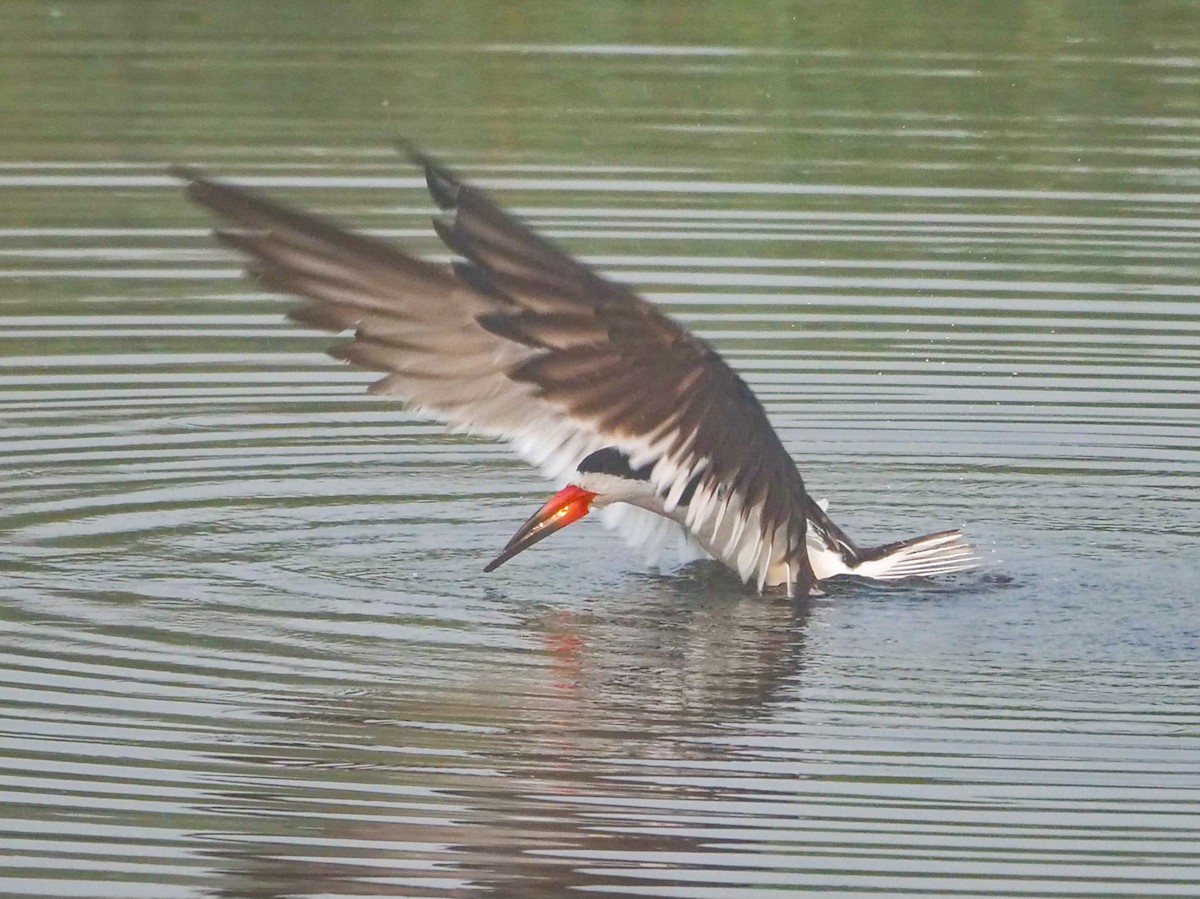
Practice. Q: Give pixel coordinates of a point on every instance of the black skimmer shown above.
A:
(587, 380)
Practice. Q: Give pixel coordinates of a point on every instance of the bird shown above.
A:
(517, 339)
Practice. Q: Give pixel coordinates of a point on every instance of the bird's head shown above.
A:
(602, 478)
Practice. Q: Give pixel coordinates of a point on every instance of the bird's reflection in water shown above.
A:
(677, 654)
(558, 772)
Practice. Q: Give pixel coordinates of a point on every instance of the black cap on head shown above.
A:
(611, 460)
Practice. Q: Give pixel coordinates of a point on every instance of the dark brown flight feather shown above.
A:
(525, 342)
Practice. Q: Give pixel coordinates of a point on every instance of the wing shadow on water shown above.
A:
(556, 775)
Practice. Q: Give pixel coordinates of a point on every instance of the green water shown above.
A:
(248, 646)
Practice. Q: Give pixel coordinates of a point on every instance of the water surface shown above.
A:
(249, 649)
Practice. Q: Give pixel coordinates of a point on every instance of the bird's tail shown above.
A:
(832, 552)
(944, 552)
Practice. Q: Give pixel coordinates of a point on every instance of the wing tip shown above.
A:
(197, 186)
(444, 184)
(185, 172)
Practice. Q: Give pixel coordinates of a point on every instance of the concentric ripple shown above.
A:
(248, 646)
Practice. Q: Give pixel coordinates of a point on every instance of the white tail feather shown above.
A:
(942, 553)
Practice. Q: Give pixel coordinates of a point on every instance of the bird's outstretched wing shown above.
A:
(521, 341)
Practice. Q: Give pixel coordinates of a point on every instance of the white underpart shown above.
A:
(660, 540)
(636, 511)
(826, 562)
